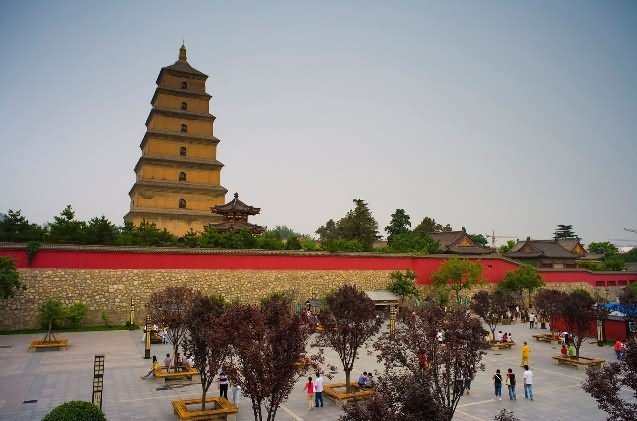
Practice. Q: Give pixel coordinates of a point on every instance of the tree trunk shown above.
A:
(175, 348)
(493, 335)
(203, 399)
(458, 296)
(347, 377)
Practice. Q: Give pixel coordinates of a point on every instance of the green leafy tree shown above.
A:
(525, 277)
(52, 314)
(75, 313)
(479, 239)
(429, 225)
(505, 248)
(399, 224)
(146, 234)
(100, 231)
(15, 227)
(9, 278)
(614, 263)
(578, 310)
(564, 232)
(293, 243)
(413, 242)
(631, 256)
(270, 240)
(359, 224)
(403, 284)
(328, 232)
(343, 245)
(66, 229)
(284, 232)
(190, 239)
(603, 247)
(458, 274)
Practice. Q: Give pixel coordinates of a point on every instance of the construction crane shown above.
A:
(492, 236)
(631, 230)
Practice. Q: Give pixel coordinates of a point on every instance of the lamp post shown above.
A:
(149, 327)
(392, 319)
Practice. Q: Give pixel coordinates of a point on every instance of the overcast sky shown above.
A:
(513, 116)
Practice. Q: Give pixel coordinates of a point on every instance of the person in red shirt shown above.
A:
(309, 387)
(618, 349)
(563, 351)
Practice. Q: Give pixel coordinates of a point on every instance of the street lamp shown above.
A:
(392, 319)
(149, 327)
(132, 312)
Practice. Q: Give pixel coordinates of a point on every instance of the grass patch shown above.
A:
(95, 328)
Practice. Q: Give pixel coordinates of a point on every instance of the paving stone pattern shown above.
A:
(53, 377)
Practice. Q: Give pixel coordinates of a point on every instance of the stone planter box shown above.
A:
(217, 408)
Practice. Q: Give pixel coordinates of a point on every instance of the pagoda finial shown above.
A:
(236, 195)
(182, 52)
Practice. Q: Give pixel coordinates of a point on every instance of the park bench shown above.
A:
(546, 337)
(578, 362)
(501, 345)
(217, 408)
(337, 393)
(57, 344)
(184, 372)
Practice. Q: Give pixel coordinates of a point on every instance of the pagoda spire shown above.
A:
(182, 52)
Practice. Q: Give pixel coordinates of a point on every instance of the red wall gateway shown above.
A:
(76, 257)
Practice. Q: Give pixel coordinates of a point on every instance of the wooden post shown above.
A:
(392, 319)
(132, 312)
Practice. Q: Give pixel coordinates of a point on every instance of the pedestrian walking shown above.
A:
(531, 321)
(528, 383)
(525, 354)
(309, 389)
(318, 390)
(497, 382)
(510, 382)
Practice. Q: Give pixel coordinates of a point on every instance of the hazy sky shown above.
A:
(509, 115)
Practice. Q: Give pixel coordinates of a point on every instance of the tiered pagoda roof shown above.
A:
(236, 215)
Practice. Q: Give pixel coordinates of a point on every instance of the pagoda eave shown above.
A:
(187, 115)
(178, 92)
(179, 137)
(178, 187)
(190, 163)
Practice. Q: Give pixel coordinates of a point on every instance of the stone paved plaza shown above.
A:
(55, 376)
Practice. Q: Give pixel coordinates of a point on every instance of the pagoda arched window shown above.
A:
(182, 176)
(184, 85)
(184, 128)
(182, 151)
(184, 106)
(182, 203)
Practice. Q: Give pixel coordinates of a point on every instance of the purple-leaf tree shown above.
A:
(170, 308)
(349, 320)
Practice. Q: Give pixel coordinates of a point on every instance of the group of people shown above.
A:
(314, 391)
(510, 382)
(366, 380)
(568, 351)
(503, 337)
(169, 363)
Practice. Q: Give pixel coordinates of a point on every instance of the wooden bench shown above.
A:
(578, 362)
(220, 409)
(342, 397)
(57, 344)
(546, 337)
(186, 373)
(501, 345)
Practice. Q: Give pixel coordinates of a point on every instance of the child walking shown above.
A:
(309, 388)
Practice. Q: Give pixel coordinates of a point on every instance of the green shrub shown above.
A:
(9, 278)
(293, 243)
(32, 249)
(75, 411)
(105, 319)
(52, 311)
(75, 314)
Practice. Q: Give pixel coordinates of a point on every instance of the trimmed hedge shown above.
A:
(75, 411)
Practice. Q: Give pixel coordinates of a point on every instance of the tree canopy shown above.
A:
(491, 307)
(403, 284)
(525, 277)
(9, 278)
(400, 224)
(564, 232)
(457, 275)
(479, 239)
(603, 247)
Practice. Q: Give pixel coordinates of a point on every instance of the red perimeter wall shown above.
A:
(494, 268)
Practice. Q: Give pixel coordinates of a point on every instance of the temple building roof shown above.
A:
(236, 207)
(458, 242)
(182, 66)
(540, 248)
